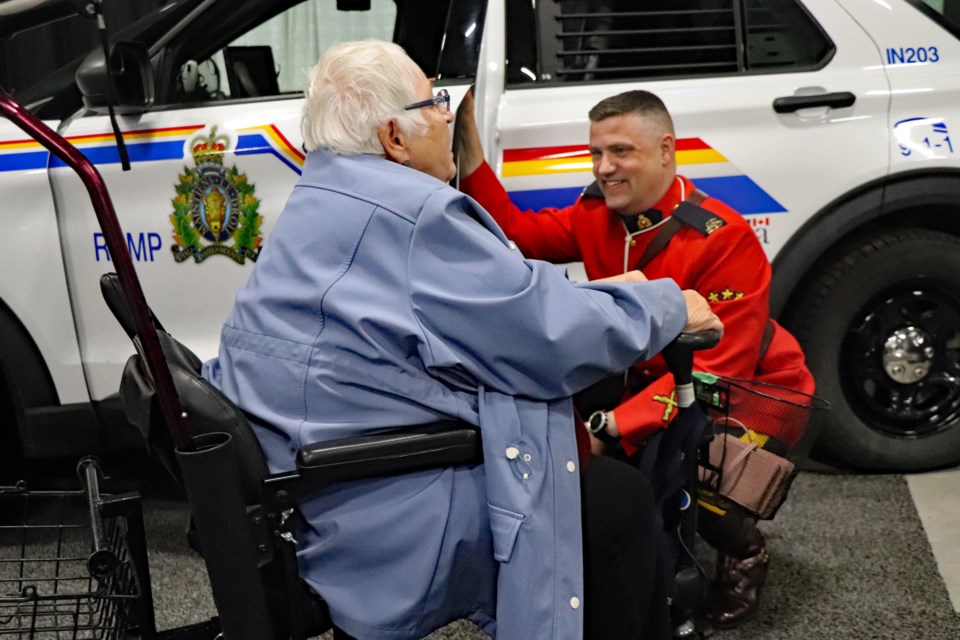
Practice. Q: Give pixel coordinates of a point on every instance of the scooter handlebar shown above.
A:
(679, 353)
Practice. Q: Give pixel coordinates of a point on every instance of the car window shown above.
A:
(299, 35)
(598, 40)
(274, 57)
(57, 37)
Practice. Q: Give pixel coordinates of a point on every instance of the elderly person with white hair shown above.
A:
(385, 298)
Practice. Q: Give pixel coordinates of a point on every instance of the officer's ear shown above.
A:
(668, 148)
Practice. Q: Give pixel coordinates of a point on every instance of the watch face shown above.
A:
(596, 422)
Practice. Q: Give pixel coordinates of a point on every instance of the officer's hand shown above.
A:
(466, 138)
(699, 315)
(630, 276)
(597, 447)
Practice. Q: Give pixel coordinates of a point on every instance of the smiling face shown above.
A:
(633, 161)
(430, 151)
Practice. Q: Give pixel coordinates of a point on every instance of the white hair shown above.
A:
(353, 89)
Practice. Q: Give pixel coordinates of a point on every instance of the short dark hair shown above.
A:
(637, 101)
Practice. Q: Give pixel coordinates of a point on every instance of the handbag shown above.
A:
(748, 475)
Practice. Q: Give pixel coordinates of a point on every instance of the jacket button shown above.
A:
(571, 467)
(574, 602)
(512, 453)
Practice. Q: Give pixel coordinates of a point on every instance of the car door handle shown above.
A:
(789, 104)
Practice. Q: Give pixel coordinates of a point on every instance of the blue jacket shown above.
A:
(385, 298)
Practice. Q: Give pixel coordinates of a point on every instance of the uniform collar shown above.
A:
(643, 221)
(674, 195)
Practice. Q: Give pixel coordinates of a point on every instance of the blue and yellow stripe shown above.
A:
(148, 145)
(145, 145)
(737, 190)
(268, 139)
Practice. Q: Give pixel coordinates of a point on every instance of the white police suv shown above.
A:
(828, 123)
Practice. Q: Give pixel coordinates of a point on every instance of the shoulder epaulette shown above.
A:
(692, 215)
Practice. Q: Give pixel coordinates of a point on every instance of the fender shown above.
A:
(931, 196)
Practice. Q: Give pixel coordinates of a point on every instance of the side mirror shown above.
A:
(130, 74)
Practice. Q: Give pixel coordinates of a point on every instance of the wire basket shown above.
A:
(66, 572)
(761, 432)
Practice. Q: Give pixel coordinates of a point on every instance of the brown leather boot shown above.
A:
(736, 595)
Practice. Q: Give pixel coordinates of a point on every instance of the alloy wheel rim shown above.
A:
(900, 360)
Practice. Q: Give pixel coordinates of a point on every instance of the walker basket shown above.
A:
(760, 435)
(66, 568)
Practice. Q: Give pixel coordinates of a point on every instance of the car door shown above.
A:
(36, 299)
(722, 68)
(920, 45)
(213, 162)
(40, 44)
(203, 192)
(212, 166)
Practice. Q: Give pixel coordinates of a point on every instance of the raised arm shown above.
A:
(518, 325)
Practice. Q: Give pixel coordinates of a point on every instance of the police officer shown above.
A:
(640, 214)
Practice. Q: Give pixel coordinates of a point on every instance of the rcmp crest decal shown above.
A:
(215, 211)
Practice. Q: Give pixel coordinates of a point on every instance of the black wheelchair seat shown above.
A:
(243, 515)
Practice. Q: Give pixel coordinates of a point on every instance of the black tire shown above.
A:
(11, 458)
(888, 413)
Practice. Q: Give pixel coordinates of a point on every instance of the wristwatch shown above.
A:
(597, 425)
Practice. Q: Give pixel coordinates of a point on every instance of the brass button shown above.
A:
(633, 243)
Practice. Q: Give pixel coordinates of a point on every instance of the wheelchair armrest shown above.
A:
(443, 444)
(421, 447)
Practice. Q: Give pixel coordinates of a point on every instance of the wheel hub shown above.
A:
(907, 355)
(900, 361)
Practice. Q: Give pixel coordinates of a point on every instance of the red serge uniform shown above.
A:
(720, 258)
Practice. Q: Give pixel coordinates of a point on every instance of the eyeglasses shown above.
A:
(442, 98)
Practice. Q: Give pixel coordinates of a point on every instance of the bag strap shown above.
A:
(662, 239)
(667, 231)
(768, 330)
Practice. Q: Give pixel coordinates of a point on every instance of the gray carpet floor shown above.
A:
(850, 561)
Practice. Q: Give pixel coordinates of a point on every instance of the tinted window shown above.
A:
(521, 47)
(460, 45)
(781, 35)
(596, 40)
